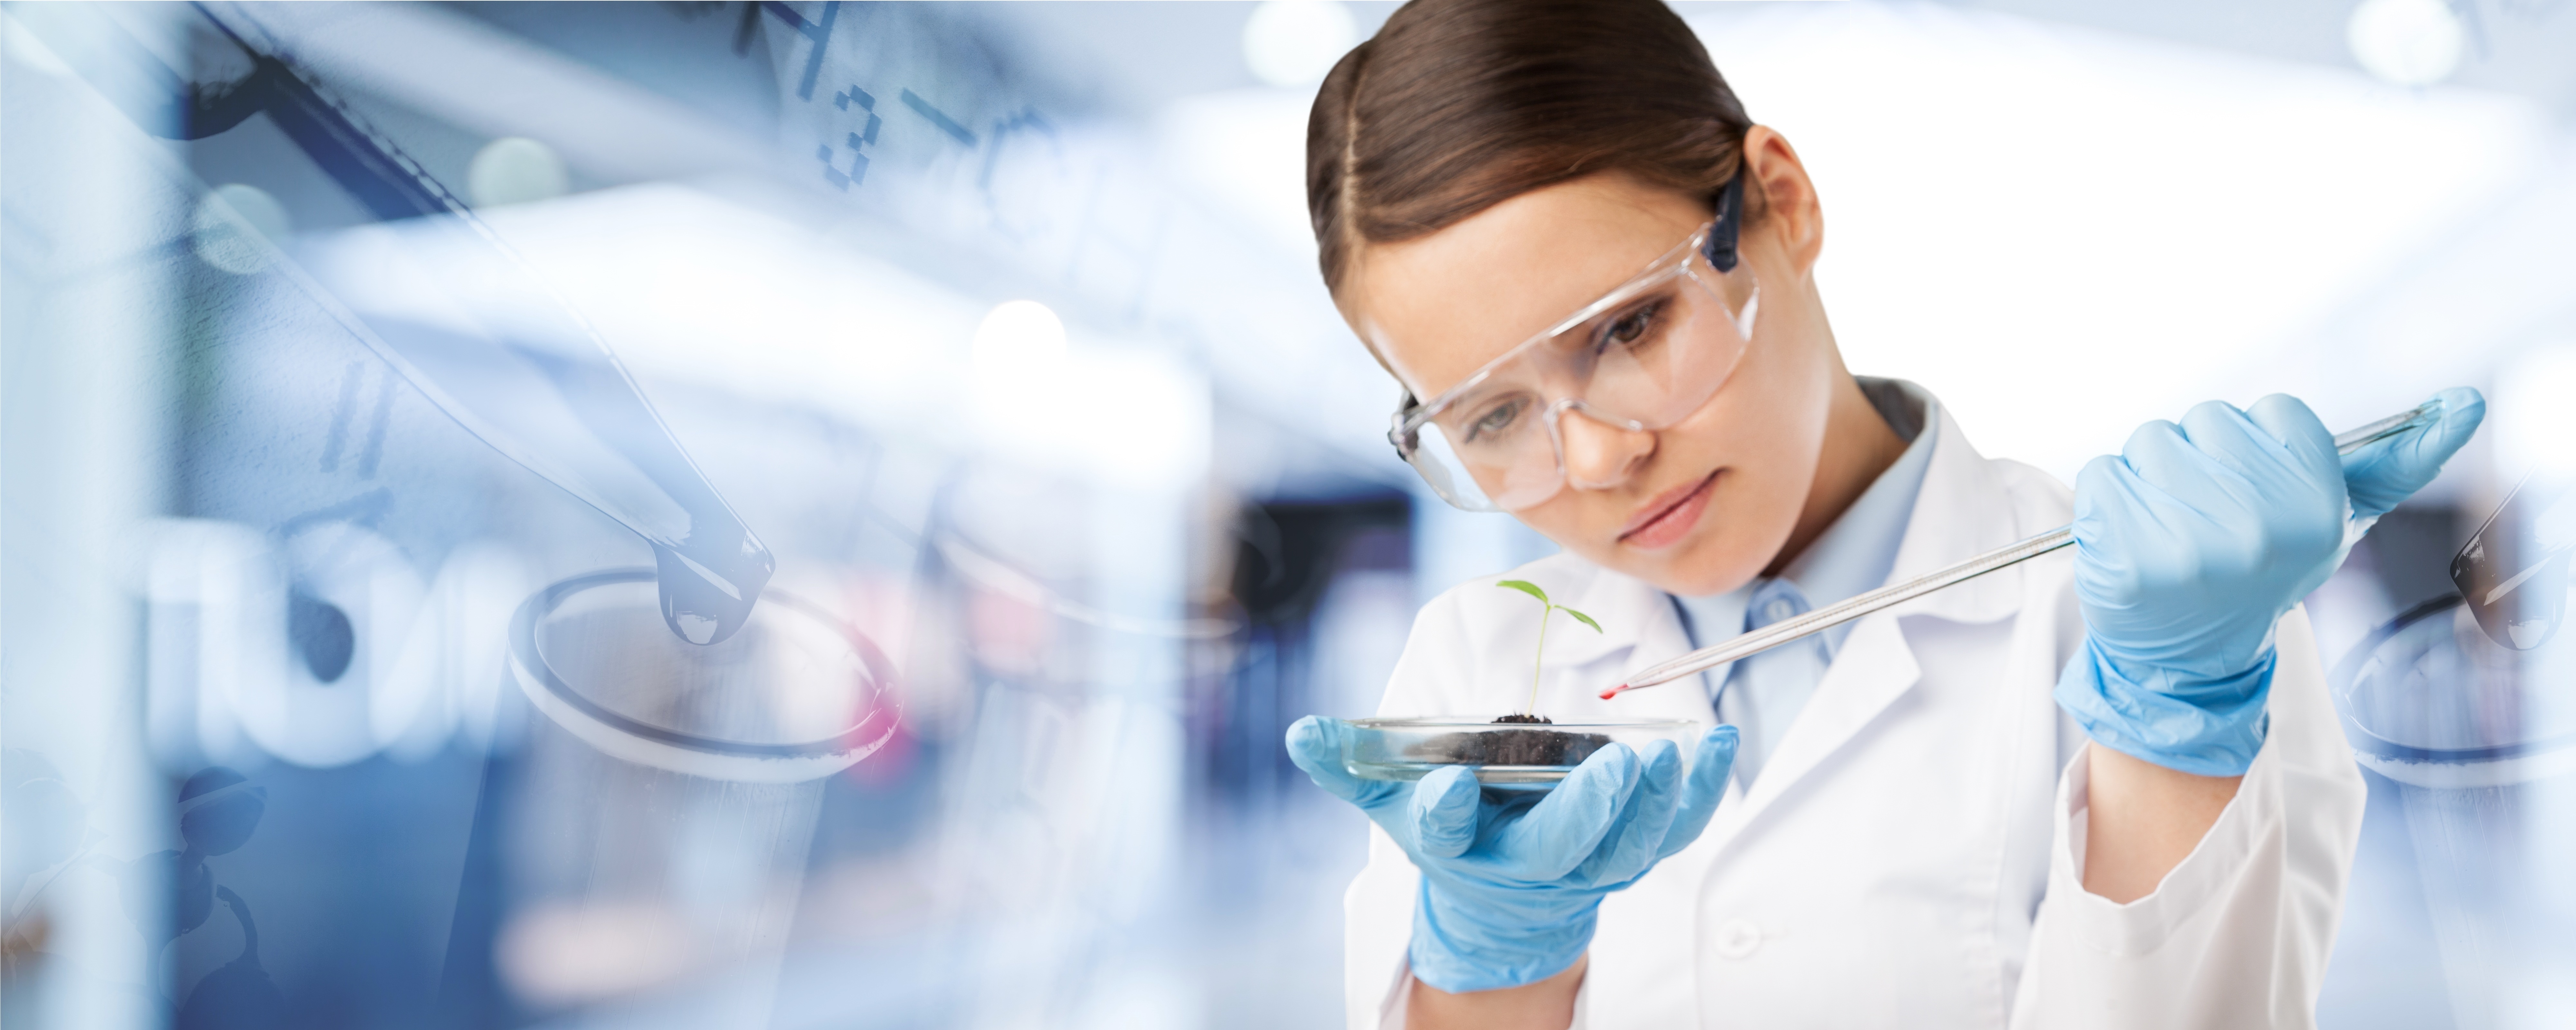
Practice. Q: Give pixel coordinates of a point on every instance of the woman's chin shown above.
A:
(1698, 567)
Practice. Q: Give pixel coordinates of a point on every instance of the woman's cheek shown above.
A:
(1565, 521)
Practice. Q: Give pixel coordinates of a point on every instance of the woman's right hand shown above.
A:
(1511, 890)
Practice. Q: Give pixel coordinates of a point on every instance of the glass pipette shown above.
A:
(1840, 612)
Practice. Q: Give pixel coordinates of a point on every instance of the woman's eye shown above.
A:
(1494, 421)
(1631, 328)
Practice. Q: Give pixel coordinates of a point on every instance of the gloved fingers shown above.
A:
(1559, 832)
(2126, 527)
(2295, 428)
(2100, 493)
(2298, 508)
(1701, 790)
(1315, 744)
(2158, 449)
(2163, 456)
(2299, 480)
(2225, 437)
(1444, 811)
(2209, 502)
(1630, 848)
(2386, 472)
(2264, 467)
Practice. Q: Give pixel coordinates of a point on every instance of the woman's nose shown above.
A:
(1599, 455)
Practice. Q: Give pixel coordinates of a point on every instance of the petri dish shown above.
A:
(794, 695)
(2430, 700)
(1507, 756)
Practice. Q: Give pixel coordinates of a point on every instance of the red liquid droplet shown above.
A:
(1613, 692)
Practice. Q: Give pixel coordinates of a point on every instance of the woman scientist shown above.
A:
(2106, 792)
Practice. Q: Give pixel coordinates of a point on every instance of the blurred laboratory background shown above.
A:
(390, 388)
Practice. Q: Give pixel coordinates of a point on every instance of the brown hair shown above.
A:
(1458, 105)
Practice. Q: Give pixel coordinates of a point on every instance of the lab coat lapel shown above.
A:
(1874, 668)
(1960, 511)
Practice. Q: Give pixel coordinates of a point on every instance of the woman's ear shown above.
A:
(1790, 212)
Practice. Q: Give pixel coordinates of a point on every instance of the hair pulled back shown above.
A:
(1458, 105)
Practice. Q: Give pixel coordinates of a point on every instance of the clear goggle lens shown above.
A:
(1643, 357)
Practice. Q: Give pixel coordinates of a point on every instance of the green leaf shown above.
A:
(1587, 620)
(1526, 587)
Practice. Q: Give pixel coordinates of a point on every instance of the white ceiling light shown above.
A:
(1016, 336)
(227, 220)
(1293, 43)
(515, 170)
(2407, 42)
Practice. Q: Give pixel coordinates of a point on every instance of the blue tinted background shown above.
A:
(998, 324)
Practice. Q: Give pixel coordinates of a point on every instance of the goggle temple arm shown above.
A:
(1395, 431)
(1722, 233)
(1408, 446)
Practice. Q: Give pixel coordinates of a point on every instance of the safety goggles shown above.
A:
(1644, 356)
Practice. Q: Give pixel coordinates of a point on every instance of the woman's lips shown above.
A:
(1670, 515)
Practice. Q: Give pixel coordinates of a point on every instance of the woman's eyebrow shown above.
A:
(1513, 378)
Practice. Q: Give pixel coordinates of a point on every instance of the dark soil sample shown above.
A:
(1511, 747)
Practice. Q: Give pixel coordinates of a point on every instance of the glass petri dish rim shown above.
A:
(1487, 722)
(2368, 742)
(859, 736)
(1506, 778)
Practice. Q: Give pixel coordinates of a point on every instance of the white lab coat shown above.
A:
(1911, 856)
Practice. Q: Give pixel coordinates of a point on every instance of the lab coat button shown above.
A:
(1738, 939)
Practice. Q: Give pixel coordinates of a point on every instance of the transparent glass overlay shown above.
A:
(2429, 700)
(794, 696)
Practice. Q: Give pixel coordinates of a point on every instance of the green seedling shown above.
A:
(1527, 587)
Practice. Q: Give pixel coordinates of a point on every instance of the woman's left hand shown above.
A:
(2194, 540)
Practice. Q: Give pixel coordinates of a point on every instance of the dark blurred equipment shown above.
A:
(1286, 556)
(2513, 571)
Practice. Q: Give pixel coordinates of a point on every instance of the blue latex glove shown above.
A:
(2391, 470)
(1511, 890)
(2194, 540)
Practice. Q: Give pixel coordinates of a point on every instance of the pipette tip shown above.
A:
(1613, 692)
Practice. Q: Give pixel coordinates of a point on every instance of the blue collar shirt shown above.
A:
(1761, 695)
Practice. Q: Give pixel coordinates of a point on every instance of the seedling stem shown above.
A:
(1549, 608)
